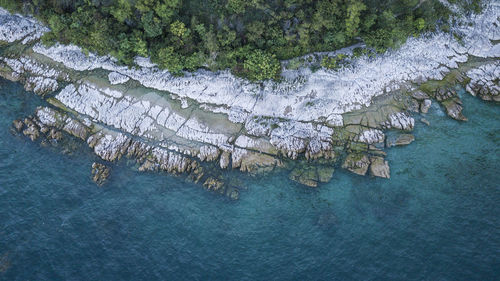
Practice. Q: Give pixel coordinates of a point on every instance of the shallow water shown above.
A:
(437, 218)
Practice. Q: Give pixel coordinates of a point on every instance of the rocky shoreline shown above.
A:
(203, 123)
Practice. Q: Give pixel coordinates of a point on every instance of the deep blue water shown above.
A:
(437, 218)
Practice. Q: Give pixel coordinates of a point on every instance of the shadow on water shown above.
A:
(381, 203)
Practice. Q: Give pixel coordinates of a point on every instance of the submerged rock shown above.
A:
(100, 173)
(379, 167)
(311, 175)
(233, 193)
(5, 262)
(400, 140)
(18, 125)
(357, 163)
(327, 219)
(306, 176)
(214, 184)
(404, 139)
(32, 130)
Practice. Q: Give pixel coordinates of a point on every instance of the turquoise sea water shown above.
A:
(437, 218)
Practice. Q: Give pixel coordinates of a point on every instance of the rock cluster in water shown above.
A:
(205, 122)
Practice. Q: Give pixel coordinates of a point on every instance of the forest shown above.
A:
(250, 37)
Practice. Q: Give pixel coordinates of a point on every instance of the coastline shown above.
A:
(205, 122)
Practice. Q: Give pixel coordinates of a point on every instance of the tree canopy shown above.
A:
(247, 36)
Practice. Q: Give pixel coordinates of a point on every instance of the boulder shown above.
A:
(233, 193)
(442, 94)
(305, 176)
(18, 125)
(77, 129)
(224, 160)
(214, 184)
(484, 81)
(357, 163)
(311, 175)
(425, 105)
(379, 167)
(454, 109)
(32, 131)
(419, 95)
(100, 173)
(405, 139)
(54, 134)
(254, 163)
(414, 106)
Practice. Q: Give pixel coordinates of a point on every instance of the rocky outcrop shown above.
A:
(19, 28)
(36, 76)
(379, 167)
(214, 184)
(310, 96)
(182, 125)
(400, 140)
(454, 108)
(371, 136)
(311, 175)
(485, 81)
(425, 105)
(400, 120)
(117, 78)
(357, 163)
(100, 173)
(32, 130)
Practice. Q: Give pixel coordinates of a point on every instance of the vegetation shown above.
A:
(333, 62)
(248, 36)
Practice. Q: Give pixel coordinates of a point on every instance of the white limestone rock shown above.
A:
(425, 106)
(49, 117)
(224, 160)
(117, 78)
(208, 153)
(484, 81)
(304, 95)
(371, 136)
(41, 85)
(401, 121)
(109, 146)
(16, 27)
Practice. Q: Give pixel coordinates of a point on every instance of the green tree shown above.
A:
(354, 9)
(153, 27)
(166, 9)
(169, 59)
(122, 10)
(261, 66)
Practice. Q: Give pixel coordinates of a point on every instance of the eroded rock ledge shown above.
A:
(206, 122)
